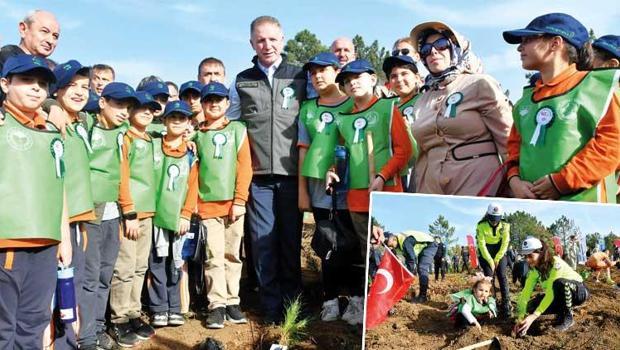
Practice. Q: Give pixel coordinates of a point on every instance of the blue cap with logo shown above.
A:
(396, 61)
(609, 43)
(23, 63)
(177, 107)
(355, 67)
(213, 88)
(559, 24)
(192, 85)
(119, 91)
(323, 59)
(92, 105)
(65, 72)
(156, 88)
(146, 100)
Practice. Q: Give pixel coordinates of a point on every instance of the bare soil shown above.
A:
(414, 326)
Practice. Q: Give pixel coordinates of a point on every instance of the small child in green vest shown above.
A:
(135, 243)
(473, 304)
(225, 172)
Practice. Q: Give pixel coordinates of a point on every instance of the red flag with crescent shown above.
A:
(473, 257)
(617, 243)
(557, 243)
(389, 286)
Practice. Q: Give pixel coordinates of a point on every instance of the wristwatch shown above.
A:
(130, 216)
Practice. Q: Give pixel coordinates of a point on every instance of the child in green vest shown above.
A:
(135, 243)
(34, 235)
(225, 173)
(175, 183)
(472, 304)
(109, 176)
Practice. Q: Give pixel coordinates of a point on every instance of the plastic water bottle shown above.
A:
(342, 168)
(189, 246)
(65, 295)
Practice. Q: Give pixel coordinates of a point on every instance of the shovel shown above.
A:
(493, 344)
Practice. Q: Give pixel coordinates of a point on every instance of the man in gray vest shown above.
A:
(267, 98)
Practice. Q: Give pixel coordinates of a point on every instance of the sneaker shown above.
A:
(234, 314)
(104, 341)
(215, 320)
(123, 334)
(330, 311)
(160, 319)
(567, 322)
(142, 329)
(354, 313)
(176, 319)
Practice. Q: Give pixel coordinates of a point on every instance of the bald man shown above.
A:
(344, 49)
(39, 32)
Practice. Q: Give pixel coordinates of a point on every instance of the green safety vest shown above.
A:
(406, 109)
(377, 119)
(422, 239)
(573, 117)
(171, 184)
(320, 120)
(32, 182)
(142, 175)
(217, 151)
(105, 161)
(477, 308)
(485, 235)
(77, 180)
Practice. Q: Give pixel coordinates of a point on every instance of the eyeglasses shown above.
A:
(400, 52)
(439, 45)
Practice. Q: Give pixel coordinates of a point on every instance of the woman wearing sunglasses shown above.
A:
(462, 120)
(565, 143)
(562, 286)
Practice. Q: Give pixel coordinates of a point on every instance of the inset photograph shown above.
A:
(448, 272)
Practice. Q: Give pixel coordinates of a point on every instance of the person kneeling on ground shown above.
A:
(599, 261)
(473, 304)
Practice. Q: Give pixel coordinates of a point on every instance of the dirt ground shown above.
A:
(253, 335)
(414, 326)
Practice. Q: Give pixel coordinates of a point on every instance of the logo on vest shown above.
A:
(408, 114)
(524, 111)
(18, 139)
(140, 146)
(157, 160)
(97, 139)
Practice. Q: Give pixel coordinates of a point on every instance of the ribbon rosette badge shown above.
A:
(326, 119)
(119, 142)
(173, 173)
(544, 117)
(58, 149)
(359, 125)
(288, 94)
(81, 131)
(451, 102)
(408, 114)
(219, 140)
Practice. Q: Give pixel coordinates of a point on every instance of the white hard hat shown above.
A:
(530, 244)
(495, 209)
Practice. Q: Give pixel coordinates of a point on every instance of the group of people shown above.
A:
(116, 174)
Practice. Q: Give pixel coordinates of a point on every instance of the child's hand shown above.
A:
(477, 324)
(377, 184)
(303, 201)
(131, 229)
(183, 226)
(65, 253)
(331, 178)
(491, 315)
(544, 189)
(236, 212)
(521, 189)
(191, 145)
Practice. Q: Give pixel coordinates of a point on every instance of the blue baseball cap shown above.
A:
(213, 88)
(177, 107)
(559, 24)
(399, 60)
(64, 72)
(190, 85)
(92, 105)
(23, 63)
(355, 67)
(156, 88)
(145, 99)
(120, 91)
(609, 43)
(323, 59)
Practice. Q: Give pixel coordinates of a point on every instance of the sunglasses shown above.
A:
(439, 45)
(401, 52)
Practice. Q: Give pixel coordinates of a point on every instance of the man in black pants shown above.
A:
(465, 258)
(440, 257)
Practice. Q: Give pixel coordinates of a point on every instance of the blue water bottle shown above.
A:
(342, 168)
(65, 295)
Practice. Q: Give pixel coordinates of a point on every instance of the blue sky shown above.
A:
(400, 212)
(169, 38)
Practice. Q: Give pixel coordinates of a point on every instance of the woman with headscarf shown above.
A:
(462, 120)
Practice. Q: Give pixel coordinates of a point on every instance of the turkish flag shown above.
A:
(557, 242)
(617, 243)
(473, 257)
(389, 286)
